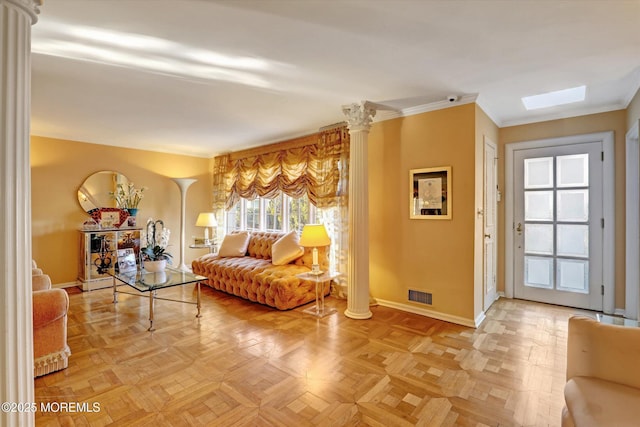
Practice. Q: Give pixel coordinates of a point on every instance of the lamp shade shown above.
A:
(314, 235)
(206, 219)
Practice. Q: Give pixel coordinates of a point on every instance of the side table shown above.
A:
(319, 310)
(211, 246)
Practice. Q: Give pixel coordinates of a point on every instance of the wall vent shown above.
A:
(421, 297)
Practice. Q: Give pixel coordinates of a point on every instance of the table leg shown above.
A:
(321, 308)
(115, 291)
(198, 299)
(152, 295)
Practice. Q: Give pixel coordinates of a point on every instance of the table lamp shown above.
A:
(313, 236)
(206, 220)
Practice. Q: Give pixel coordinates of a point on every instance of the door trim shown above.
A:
(496, 233)
(608, 199)
(632, 229)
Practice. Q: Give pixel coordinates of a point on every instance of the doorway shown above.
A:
(560, 221)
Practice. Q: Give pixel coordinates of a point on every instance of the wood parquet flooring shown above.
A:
(243, 364)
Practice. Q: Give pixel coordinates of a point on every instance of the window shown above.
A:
(273, 213)
(280, 214)
(252, 214)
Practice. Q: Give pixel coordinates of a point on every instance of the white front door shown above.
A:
(490, 218)
(558, 225)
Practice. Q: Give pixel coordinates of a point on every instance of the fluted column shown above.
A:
(16, 342)
(359, 117)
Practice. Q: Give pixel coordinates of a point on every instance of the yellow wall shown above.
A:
(59, 167)
(633, 111)
(611, 121)
(430, 255)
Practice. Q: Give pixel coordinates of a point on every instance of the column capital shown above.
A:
(359, 115)
(32, 7)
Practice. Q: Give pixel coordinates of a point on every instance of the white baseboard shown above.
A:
(430, 313)
(619, 312)
(480, 319)
(65, 285)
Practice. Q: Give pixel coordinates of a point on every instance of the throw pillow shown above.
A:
(234, 244)
(286, 249)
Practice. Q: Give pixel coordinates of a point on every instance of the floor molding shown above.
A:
(429, 313)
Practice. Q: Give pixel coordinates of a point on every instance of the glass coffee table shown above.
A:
(144, 281)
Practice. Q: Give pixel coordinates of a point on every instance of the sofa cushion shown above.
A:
(234, 244)
(592, 401)
(286, 249)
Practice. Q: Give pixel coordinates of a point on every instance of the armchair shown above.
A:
(50, 306)
(603, 379)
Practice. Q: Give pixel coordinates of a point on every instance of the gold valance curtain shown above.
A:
(316, 165)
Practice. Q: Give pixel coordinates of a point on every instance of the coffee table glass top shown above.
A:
(145, 281)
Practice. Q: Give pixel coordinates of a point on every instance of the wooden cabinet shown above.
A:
(99, 252)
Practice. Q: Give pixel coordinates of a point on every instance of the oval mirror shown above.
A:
(95, 192)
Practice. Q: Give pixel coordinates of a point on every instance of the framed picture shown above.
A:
(109, 219)
(430, 193)
(126, 260)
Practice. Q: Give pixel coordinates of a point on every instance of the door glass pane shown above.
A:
(538, 272)
(573, 205)
(573, 171)
(573, 240)
(538, 239)
(538, 173)
(573, 275)
(538, 206)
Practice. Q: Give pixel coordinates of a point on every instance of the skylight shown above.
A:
(558, 97)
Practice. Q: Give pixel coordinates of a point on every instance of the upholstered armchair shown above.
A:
(603, 379)
(50, 306)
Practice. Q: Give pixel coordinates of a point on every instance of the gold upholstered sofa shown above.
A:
(255, 275)
(603, 377)
(50, 306)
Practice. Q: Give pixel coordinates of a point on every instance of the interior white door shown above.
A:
(490, 219)
(558, 225)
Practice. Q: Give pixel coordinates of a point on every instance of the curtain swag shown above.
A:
(319, 169)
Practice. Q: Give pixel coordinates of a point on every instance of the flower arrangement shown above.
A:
(157, 239)
(128, 196)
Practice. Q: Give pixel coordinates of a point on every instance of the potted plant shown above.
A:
(128, 197)
(154, 255)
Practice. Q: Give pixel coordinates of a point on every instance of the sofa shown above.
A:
(50, 350)
(603, 377)
(255, 275)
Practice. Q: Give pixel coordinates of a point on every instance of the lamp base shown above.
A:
(315, 270)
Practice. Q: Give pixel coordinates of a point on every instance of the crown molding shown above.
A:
(563, 115)
(424, 108)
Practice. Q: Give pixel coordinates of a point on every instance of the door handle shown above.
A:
(488, 236)
(519, 228)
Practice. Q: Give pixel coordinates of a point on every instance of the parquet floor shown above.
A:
(243, 364)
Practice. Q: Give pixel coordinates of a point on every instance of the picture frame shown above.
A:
(109, 219)
(430, 193)
(126, 260)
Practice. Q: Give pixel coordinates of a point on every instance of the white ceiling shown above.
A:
(202, 77)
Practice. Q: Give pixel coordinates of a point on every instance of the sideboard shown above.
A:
(99, 254)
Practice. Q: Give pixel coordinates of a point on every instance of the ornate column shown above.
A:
(16, 339)
(359, 117)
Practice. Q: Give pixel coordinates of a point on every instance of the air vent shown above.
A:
(421, 297)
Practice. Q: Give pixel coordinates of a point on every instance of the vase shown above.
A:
(132, 211)
(155, 266)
